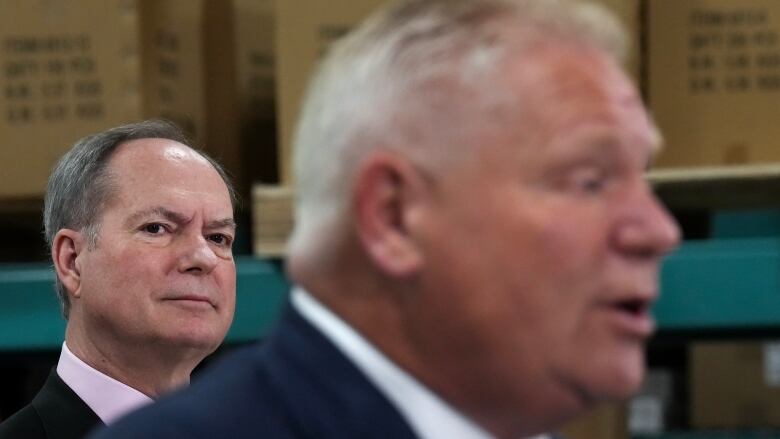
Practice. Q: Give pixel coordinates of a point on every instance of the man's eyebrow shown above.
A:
(177, 218)
(157, 211)
(222, 223)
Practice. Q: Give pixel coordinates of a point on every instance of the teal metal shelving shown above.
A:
(719, 284)
(30, 317)
(724, 284)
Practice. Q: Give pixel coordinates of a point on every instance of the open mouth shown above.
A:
(633, 317)
(635, 307)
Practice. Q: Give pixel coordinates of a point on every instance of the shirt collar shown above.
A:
(107, 397)
(427, 414)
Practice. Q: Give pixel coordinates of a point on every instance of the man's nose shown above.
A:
(646, 228)
(196, 255)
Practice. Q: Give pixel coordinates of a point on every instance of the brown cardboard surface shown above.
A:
(304, 29)
(728, 387)
(714, 80)
(254, 23)
(173, 63)
(67, 70)
(605, 422)
(272, 219)
(255, 58)
(175, 59)
(189, 73)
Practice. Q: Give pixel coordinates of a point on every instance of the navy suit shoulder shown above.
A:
(56, 412)
(295, 385)
(23, 424)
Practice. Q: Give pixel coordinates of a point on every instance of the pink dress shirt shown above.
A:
(107, 397)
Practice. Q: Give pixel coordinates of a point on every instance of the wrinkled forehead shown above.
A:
(565, 82)
(558, 99)
(147, 164)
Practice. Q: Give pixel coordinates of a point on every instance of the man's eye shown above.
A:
(219, 238)
(154, 228)
(591, 184)
(589, 181)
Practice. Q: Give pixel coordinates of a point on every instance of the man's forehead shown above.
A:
(567, 92)
(146, 160)
(154, 167)
(156, 148)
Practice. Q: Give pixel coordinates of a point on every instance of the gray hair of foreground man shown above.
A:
(81, 184)
(424, 74)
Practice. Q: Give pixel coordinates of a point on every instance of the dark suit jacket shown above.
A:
(56, 412)
(295, 385)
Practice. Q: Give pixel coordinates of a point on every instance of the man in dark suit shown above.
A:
(140, 227)
(56, 411)
(476, 248)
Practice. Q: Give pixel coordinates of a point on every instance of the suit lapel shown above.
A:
(62, 413)
(331, 397)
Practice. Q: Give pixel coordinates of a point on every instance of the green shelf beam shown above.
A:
(30, 313)
(721, 284)
(717, 284)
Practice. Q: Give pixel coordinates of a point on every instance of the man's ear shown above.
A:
(386, 191)
(65, 249)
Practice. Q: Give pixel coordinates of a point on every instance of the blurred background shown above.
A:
(232, 73)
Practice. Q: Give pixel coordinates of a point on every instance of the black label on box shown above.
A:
(49, 78)
(733, 51)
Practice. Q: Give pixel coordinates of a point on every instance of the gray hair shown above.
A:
(80, 184)
(420, 77)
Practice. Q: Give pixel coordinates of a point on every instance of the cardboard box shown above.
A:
(605, 422)
(713, 70)
(734, 385)
(255, 61)
(66, 70)
(304, 30)
(209, 66)
(272, 219)
(66, 74)
(189, 73)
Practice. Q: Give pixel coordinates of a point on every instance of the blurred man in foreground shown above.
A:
(476, 248)
(140, 228)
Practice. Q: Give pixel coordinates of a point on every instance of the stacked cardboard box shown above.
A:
(735, 385)
(208, 65)
(255, 61)
(67, 69)
(70, 69)
(189, 72)
(272, 219)
(605, 422)
(713, 71)
(303, 32)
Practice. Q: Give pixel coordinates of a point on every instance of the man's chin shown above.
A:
(621, 385)
(193, 342)
(616, 383)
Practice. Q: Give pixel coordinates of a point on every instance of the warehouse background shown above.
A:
(232, 73)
